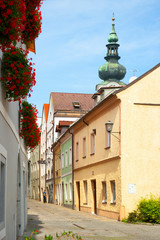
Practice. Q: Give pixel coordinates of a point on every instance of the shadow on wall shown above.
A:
(33, 223)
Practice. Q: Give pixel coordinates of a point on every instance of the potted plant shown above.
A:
(18, 75)
(29, 130)
(32, 24)
(12, 18)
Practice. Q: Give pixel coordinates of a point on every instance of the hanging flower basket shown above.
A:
(30, 131)
(12, 17)
(18, 76)
(32, 25)
(33, 4)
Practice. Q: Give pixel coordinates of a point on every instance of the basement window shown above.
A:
(76, 105)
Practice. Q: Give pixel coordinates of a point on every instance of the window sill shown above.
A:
(104, 201)
(92, 154)
(107, 147)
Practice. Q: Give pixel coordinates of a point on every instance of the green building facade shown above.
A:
(66, 172)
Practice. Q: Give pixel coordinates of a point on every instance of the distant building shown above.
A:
(34, 164)
(43, 150)
(62, 110)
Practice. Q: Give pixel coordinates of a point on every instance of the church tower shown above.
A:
(111, 72)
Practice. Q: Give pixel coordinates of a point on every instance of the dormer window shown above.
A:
(76, 105)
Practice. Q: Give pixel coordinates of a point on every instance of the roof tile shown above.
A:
(64, 101)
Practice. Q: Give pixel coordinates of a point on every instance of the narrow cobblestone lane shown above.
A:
(52, 219)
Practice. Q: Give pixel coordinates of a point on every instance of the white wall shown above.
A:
(15, 213)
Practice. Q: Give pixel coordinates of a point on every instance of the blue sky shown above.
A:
(71, 47)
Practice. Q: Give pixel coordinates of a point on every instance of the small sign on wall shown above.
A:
(131, 188)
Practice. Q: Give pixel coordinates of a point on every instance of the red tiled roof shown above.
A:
(63, 124)
(46, 108)
(57, 128)
(64, 101)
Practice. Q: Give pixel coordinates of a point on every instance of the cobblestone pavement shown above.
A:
(52, 219)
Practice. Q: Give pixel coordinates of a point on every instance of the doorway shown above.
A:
(78, 194)
(93, 183)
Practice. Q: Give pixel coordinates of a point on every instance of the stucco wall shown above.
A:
(140, 140)
(9, 139)
(104, 164)
(106, 171)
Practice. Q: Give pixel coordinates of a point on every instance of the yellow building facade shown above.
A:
(112, 170)
(57, 174)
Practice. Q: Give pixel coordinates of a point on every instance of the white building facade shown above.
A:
(13, 171)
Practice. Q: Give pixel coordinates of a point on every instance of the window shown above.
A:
(62, 159)
(55, 164)
(104, 192)
(66, 193)
(92, 143)
(76, 105)
(84, 147)
(70, 156)
(77, 151)
(70, 191)
(107, 139)
(85, 192)
(113, 192)
(3, 156)
(59, 163)
(66, 158)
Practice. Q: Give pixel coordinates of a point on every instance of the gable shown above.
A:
(144, 90)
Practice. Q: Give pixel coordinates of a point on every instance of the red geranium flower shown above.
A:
(14, 76)
(11, 19)
(30, 131)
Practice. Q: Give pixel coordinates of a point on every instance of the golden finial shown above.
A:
(113, 18)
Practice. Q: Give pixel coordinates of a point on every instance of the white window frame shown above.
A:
(66, 158)
(66, 191)
(70, 156)
(77, 151)
(85, 191)
(84, 147)
(3, 160)
(108, 140)
(62, 160)
(113, 191)
(104, 193)
(70, 191)
(92, 143)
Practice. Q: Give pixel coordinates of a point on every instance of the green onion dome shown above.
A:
(112, 70)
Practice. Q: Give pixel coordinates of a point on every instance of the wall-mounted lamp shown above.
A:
(94, 131)
(109, 126)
